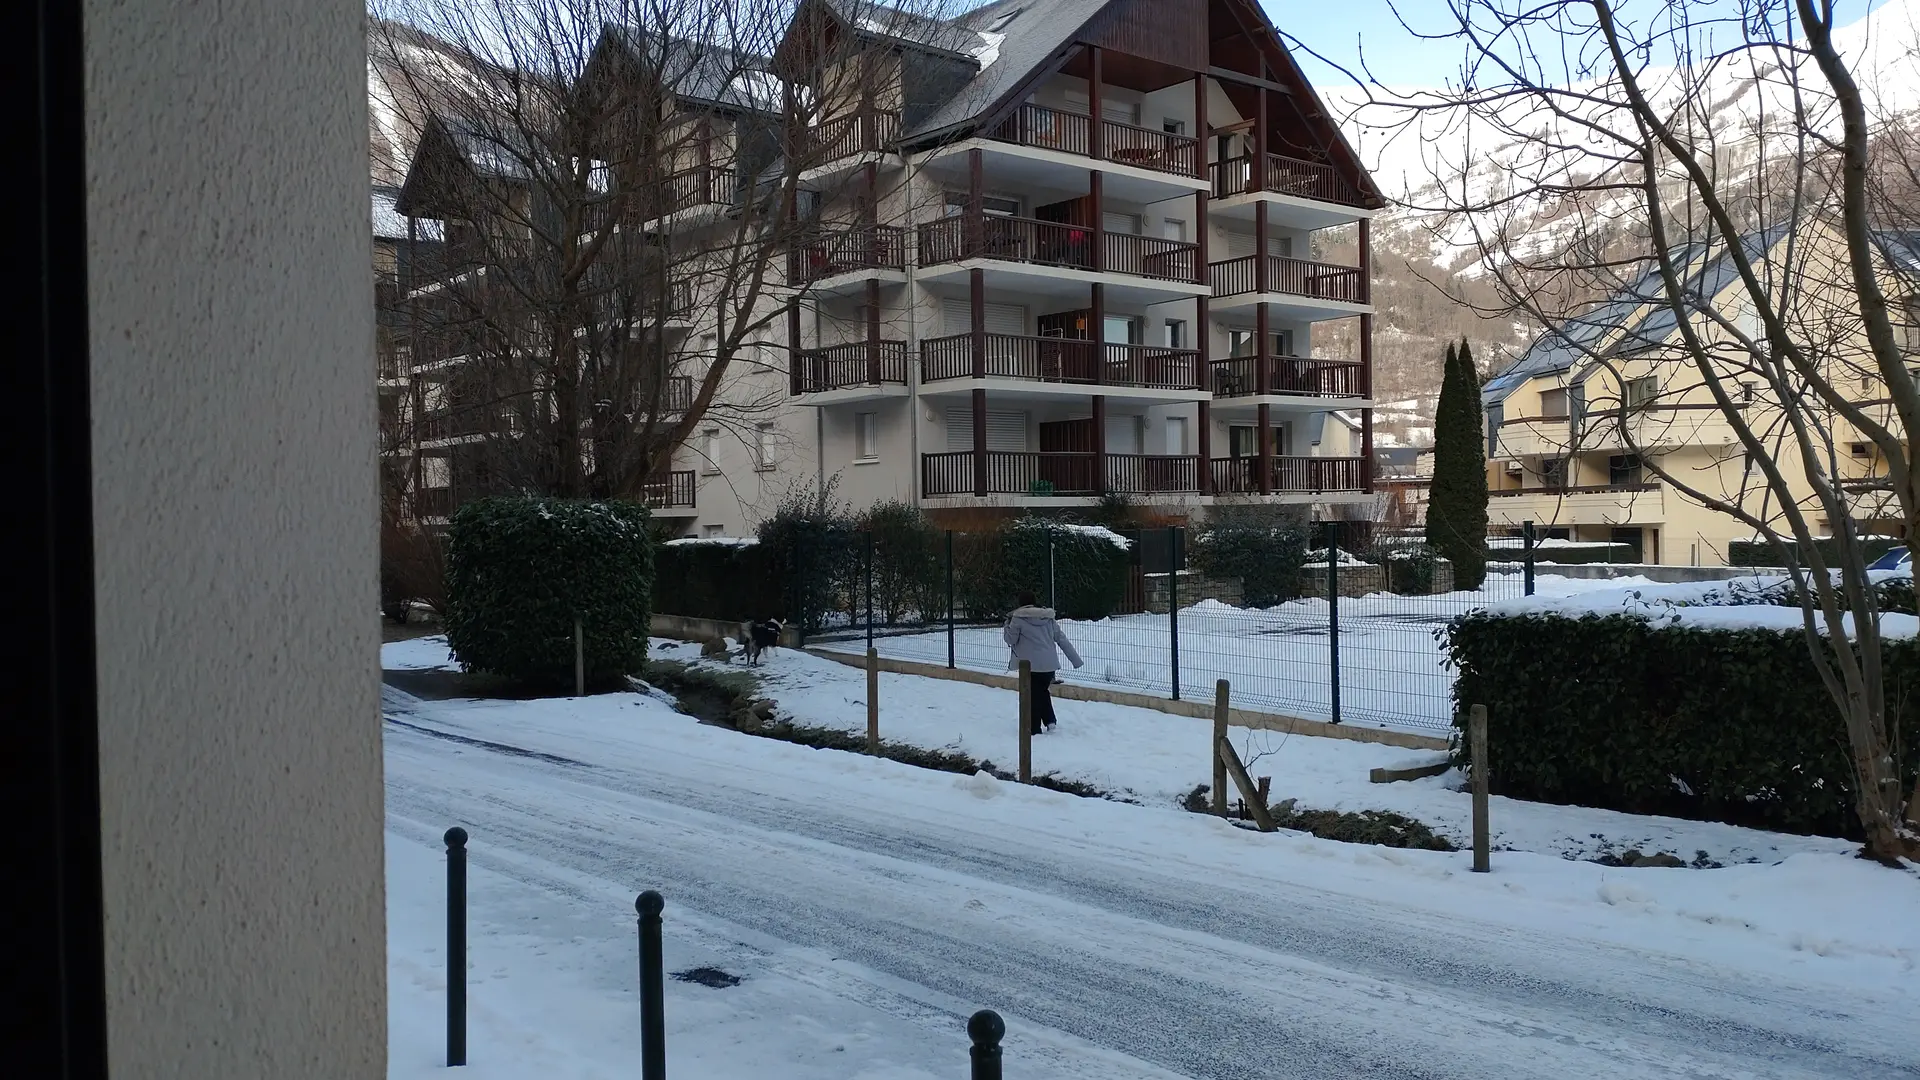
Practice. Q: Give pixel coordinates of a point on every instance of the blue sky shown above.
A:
(1341, 29)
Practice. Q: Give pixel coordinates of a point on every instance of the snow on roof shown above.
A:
(390, 224)
(1753, 603)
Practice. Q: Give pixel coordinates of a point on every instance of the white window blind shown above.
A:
(1120, 223)
(956, 312)
(866, 436)
(1006, 430)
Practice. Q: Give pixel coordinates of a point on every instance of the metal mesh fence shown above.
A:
(1352, 636)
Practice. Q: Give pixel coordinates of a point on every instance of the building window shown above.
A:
(1747, 392)
(1623, 470)
(1858, 449)
(866, 436)
(1174, 230)
(763, 446)
(1174, 127)
(1177, 436)
(1749, 464)
(1241, 343)
(1553, 474)
(994, 207)
(1176, 333)
(1553, 403)
(1641, 392)
(713, 530)
(710, 450)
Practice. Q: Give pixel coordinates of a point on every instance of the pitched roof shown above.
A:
(1901, 247)
(703, 72)
(1010, 39)
(1640, 312)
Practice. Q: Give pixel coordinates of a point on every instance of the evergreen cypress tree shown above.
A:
(1457, 506)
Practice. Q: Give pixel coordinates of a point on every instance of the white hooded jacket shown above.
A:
(1032, 634)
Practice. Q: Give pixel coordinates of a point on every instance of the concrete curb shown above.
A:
(1196, 709)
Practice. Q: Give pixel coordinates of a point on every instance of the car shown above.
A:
(1898, 558)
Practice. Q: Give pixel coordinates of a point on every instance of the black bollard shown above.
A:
(986, 1029)
(456, 946)
(653, 1013)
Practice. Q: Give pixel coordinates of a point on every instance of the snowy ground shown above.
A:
(1392, 673)
(870, 906)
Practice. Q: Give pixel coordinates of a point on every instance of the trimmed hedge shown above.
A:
(1761, 553)
(1265, 557)
(521, 570)
(1088, 570)
(735, 582)
(1719, 725)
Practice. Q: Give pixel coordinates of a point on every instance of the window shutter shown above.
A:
(1006, 430)
(1120, 223)
(956, 312)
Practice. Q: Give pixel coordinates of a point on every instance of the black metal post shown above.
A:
(1173, 605)
(949, 599)
(1333, 618)
(1053, 601)
(456, 946)
(1526, 533)
(986, 1029)
(867, 560)
(653, 1013)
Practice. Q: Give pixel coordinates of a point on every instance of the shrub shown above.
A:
(1717, 724)
(718, 579)
(909, 563)
(1761, 553)
(521, 570)
(1264, 551)
(1085, 564)
(1410, 570)
(809, 543)
(411, 570)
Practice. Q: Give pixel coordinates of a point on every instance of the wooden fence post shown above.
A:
(1477, 737)
(1220, 703)
(1255, 803)
(873, 702)
(1026, 722)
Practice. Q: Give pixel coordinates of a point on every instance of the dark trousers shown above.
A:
(1042, 701)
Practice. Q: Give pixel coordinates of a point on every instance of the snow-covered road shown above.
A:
(1120, 940)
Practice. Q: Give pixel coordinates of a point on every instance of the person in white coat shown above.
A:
(1034, 636)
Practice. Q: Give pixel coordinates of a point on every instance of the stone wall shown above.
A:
(1354, 581)
(1193, 589)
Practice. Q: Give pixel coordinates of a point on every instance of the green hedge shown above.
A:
(521, 570)
(1761, 553)
(734, 581)
(1265, 557)
(1087, 569)
(1720, 725)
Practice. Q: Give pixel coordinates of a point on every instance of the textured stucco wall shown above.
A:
(231, 331)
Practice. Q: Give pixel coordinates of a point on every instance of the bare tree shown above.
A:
(618, 186)
(1703, 208)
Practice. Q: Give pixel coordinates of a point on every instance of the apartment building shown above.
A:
(1037, 253)
(1573, 426)
(1076, 261)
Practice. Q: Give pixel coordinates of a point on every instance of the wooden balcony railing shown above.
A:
(865, 247)
(843, 136)
(1289, 475)
(705, 185)
(859, 363)
(1286, 176)
(1053, 243)
(1295, 277)
(1061, 360)
(1580, 489)
(673, 490)
(1127, 144)
(1239, 376)
(1049, 474)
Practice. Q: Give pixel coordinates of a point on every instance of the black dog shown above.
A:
(762, 636)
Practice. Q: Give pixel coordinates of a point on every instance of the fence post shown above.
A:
(873, 702)
(456, 946)
(579, 659)
(653, 1013)
(1053, 601)
(1526, 533)
(949, 599)
(1333, 619)
(1477, 737)
(986, 1029)
(1221, 698)
(867, 560)
(1026, 721)
(1173, 606)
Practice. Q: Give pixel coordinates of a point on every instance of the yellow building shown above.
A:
(1608, 430)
